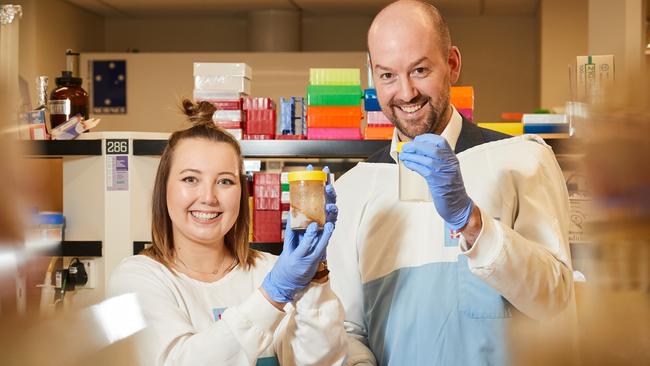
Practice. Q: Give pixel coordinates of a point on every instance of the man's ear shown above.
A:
(454, 62)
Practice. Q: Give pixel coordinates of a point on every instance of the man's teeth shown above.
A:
(411, 108)
(204, 215)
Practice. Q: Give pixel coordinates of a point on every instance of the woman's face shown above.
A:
(203, 191)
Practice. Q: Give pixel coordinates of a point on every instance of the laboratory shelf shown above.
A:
(252, 148)
(60, 148)
(284, 148)
(77, 248)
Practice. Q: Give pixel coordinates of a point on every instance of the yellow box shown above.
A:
(510, 128)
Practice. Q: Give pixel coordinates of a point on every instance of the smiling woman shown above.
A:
(200, 283)
(200, 196)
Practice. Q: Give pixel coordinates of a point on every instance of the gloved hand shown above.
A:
(431, 156)
(301, 254)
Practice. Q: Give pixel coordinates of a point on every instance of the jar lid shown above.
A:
(307, 175)
(399, 146)
(50, 218)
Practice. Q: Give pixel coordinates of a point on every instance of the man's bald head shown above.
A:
(413, 66)
(412, 13)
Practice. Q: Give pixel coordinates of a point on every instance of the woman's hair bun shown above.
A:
(198, 112)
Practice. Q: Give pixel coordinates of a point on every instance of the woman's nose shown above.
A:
(209, 194)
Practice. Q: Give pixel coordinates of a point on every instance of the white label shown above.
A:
(60, 106)
(117, 172)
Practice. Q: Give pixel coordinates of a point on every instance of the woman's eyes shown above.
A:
(222, 181)
(226, 181)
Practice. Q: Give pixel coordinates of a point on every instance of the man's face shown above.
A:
(413, 77)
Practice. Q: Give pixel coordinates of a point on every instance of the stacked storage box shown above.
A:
(555, 124)
(334, 104)
(260, 118)
(224, 84)
(267, 217)
(550, 125)
(284, 200)
(292, 118)
(462, 97)
(378, 127)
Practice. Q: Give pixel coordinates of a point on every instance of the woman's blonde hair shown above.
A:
(236, 240)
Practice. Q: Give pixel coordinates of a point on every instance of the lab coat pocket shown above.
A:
(476, 299)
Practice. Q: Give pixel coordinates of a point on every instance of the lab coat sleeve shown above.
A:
(527, 261)
(343, 262)
(241, 335)
(314, 333)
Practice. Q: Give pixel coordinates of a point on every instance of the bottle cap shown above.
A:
(307, 175)
(66, 78)
(399, 146)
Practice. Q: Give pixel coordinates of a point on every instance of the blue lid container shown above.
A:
(50, 218)
(370, 102)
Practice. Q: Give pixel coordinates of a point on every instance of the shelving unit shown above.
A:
(55, 148)
(284, 148)
(78, 248)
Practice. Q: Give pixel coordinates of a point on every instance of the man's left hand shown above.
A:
(431, 156)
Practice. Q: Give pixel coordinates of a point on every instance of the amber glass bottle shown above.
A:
(67, 100)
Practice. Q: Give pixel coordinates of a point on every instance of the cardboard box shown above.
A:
(223, 69)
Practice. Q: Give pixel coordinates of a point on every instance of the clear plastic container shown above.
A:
(307, 198)
(47, 226)
(412, 186)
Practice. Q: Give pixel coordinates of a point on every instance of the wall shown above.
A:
(500, 58)
(335, 33)
(156, 81)
(50, 27)
(564, 32)
(500, 53)
(177, 34)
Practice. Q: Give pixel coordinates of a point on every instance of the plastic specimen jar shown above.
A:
(307, 198)
(412, 186)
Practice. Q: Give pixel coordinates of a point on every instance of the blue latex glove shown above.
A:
(301, 254)
(431, 156)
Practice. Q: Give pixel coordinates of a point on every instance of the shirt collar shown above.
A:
(450, 133)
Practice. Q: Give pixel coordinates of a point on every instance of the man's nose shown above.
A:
(407, 90)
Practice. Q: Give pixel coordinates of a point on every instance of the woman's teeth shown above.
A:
(204, 215)
(411, 108)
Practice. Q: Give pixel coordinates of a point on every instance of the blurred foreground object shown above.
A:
(613, 304)
(102, 334)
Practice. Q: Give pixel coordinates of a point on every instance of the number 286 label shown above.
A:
(117, 146)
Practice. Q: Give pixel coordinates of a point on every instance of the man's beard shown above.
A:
(429, 123)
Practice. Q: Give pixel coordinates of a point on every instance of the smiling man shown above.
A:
(435, 283)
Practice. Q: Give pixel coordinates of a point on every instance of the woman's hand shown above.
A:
(301, 254)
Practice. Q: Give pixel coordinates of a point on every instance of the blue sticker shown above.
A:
(217, 312)
(109, 87)
(452, 237)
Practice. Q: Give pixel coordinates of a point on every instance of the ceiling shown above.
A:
(160, 8)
